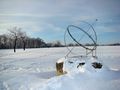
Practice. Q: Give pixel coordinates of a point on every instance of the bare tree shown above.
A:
(17, 34)
(14, 35)
(57, 44)
(23, 36)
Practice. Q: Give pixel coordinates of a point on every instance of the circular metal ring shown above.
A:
(85, 32)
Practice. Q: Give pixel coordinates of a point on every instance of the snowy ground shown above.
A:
(34, 69)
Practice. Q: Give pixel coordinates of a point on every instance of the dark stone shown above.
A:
(97, 65)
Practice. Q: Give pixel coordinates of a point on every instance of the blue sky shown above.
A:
(48, 19)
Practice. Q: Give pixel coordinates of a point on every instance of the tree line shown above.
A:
(16, 38)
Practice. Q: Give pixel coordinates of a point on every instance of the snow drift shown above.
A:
(84, 77)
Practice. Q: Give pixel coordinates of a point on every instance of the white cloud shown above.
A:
(103, 29)
(54, 28)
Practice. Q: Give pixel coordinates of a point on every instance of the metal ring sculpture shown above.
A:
(85, 32)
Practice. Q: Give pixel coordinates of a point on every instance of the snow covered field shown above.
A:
(34, 69)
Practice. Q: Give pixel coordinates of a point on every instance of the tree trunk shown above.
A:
(24, 44)
(15, 44)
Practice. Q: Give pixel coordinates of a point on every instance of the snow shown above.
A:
(61, 60)
(34, 69)
(71, 65)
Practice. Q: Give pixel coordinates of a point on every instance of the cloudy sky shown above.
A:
(48, 19)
